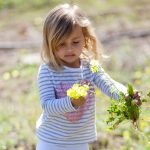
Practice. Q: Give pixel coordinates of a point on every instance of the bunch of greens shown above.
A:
(127, 107)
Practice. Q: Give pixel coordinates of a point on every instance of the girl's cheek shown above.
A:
(79, 45)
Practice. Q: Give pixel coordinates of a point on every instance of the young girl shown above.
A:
(69, 44)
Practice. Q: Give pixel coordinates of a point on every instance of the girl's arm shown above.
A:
(107, 85)
(49, 103)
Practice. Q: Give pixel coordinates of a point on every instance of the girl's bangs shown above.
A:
(63, 31)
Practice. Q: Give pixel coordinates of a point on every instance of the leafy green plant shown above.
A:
(127, 107)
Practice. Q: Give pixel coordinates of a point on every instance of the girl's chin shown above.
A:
(74, 64)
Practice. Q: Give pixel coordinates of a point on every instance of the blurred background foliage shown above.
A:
(123, 27)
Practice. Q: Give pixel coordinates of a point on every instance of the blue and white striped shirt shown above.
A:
(60, 122)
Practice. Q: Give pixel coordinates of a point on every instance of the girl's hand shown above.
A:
(78, 102)
(136, 96)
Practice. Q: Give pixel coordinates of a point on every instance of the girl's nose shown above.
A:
(69, 48)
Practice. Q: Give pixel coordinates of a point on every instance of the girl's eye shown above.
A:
(76, 42)
(61, 45)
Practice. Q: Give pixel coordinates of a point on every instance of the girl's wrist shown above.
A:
(78, 102)
(74, 104)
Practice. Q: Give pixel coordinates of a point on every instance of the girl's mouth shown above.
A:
(70, 55)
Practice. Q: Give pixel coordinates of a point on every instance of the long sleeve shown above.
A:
(49, 103)
(107, 85)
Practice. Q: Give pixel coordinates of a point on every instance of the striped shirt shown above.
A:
(60, 122)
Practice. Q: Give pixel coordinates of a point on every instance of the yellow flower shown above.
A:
(78, 91)
(94, 64)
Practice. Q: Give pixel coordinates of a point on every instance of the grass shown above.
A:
(19, 110)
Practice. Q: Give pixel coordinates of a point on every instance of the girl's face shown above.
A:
(69, 50)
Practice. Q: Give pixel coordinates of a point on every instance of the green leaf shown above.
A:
(130, 90)
(148, 94)
(144, 100)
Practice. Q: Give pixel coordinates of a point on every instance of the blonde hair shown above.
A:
(58, 25)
